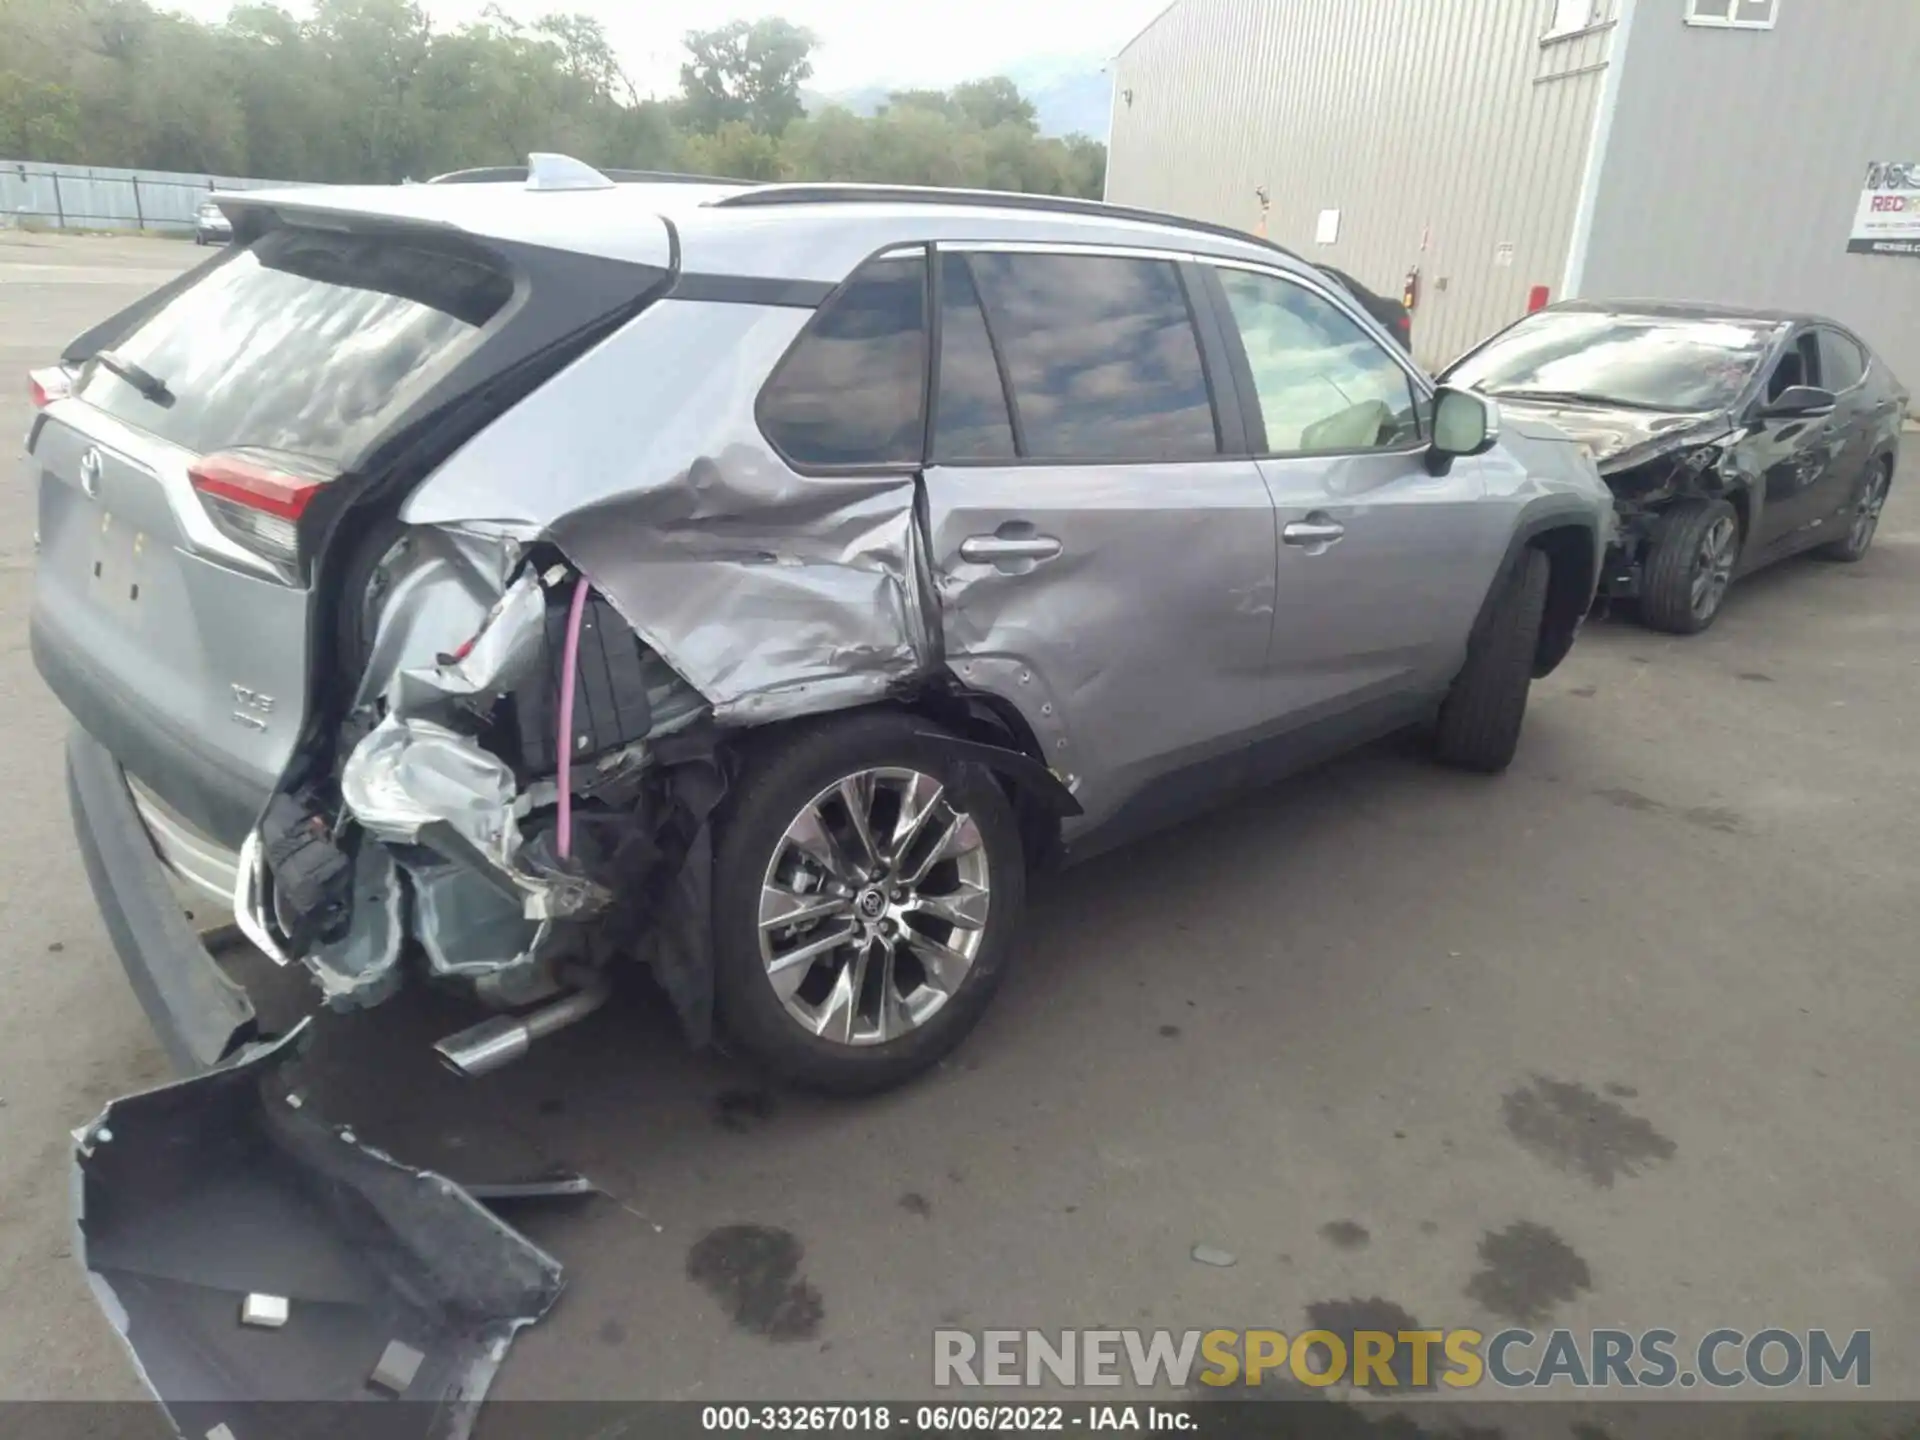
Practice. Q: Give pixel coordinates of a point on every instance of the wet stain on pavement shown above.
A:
(1709, 817)
(914, 1203)
(1345, 1234)
(1344, 1317)
(1631, 800)
(1715, 817)
(754, 1272)
(1429, 1227)
(743, 1110)
(1526, 1270)
(1755, 677)
(1585, 692)
(612, 1332)
(1572, 1128)
(1169, 1032)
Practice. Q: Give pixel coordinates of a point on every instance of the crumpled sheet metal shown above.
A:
(191, 1196)
(504, 651)
(407, 778)
(771, 592)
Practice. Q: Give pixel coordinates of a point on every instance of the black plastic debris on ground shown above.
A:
(191, 1196)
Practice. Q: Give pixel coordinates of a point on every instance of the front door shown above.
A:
(1383, 564)
(1796, 456)
(1099, 562)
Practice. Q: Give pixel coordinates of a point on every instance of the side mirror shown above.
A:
(1800, 402)
(1464, 423)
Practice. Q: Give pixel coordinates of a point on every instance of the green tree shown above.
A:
(748, 72)
(995, 101)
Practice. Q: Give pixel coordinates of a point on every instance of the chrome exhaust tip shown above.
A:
(499, 1041)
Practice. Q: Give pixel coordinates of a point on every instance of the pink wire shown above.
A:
(569, 668)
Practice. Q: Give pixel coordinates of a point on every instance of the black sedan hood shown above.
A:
(1620, 437)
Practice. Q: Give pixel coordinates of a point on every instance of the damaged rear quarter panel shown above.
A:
(772, 593)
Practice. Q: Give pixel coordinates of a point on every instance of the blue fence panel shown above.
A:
(103, 197)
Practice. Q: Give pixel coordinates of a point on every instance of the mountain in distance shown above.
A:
(1070, 94)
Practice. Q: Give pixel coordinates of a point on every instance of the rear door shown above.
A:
(1854, 424)
(1383, 565)
(1101, 560)
(170, 609)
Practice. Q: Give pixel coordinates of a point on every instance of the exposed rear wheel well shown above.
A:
(1569, 550)
(973, 715)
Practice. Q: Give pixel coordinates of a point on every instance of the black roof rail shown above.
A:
(513, 174)
(842, 194)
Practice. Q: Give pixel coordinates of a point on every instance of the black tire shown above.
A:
(778, 781)
(1864, 520)
(1676, 557)
(1479, 727)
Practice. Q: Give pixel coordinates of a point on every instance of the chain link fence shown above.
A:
(38, 195)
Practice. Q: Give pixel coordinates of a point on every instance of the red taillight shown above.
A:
(46, 386)
(255, 503)
(1537, 298)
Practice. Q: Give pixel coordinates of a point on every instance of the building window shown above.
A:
(1570, 17)
(1733, 14)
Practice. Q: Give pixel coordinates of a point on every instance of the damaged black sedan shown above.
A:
(1730, 438)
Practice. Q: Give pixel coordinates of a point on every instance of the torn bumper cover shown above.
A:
(197, 1198)
(199, 1014)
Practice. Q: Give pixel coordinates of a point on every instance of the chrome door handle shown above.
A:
(989, 549)
(1313, 532)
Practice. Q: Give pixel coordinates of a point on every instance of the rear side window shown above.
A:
(308, 342)
(849, 391)
(1842, 366)
(1102, 357)
(972, 420)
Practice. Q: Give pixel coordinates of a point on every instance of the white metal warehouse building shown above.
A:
(1719, 150)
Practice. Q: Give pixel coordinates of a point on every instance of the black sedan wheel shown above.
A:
(1866, 517)
(1689, 567)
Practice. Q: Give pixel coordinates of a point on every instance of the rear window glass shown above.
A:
(307, 342)
(850, 392)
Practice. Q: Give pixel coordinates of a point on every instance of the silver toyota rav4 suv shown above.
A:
(497, 583)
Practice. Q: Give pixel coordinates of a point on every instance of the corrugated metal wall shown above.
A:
(1444, 131)
(104, 197)
(1737, 159)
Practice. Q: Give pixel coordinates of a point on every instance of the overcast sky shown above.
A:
(862, 42)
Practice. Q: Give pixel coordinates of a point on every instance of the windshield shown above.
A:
(1648, 362)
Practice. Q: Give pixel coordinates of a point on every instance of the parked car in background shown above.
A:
(211, 226)
(1393, 315)
(752, 580)
(1731, 438)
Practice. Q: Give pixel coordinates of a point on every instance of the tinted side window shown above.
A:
(970, 420)
(849, 392)
(1323, 382)
(1102, 355)
(1842, 366)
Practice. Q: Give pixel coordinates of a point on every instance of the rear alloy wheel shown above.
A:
(868, 892)
(1690, 565)
(1866, 517)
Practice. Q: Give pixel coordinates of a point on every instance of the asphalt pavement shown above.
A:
(1623, 1038)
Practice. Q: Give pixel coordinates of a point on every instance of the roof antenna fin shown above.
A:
(563, 172)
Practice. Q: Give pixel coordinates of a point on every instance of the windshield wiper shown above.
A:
(150, 386)
(1587, 397)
